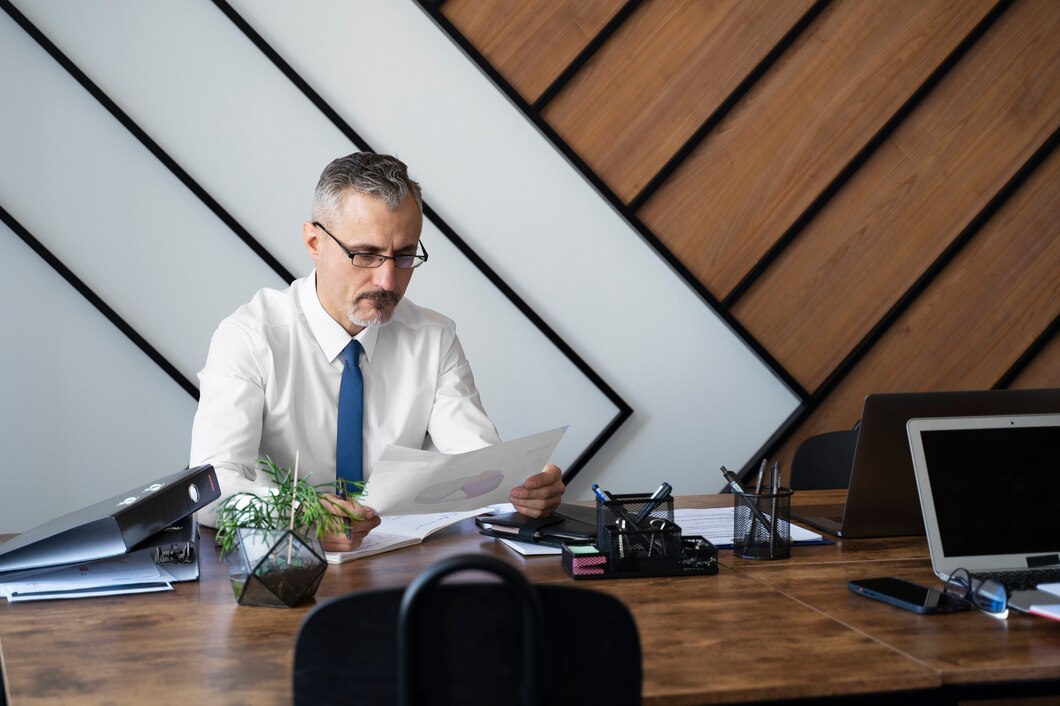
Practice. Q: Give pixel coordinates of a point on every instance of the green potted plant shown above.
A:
(271, 542)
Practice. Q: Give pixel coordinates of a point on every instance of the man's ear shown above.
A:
(311, 238)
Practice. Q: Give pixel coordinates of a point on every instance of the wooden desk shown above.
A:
(756, 631)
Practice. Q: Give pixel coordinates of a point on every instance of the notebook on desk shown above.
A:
(988, 489)
(882, 497)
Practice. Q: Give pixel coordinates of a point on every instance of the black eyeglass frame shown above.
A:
(987, 595)
(416, 259)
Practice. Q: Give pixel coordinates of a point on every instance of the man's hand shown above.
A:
(540, 494)
(359, 528)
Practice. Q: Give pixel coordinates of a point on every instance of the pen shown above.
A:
(758, 491)
(761, 471)
(656, 498)
(774, 487)
(734, 485)
(340, 492)
(616, 507)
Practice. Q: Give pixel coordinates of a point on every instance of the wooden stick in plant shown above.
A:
(294, 496)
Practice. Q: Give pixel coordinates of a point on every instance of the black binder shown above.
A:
(570, 524)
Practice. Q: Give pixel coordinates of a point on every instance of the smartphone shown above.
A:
(908, 595)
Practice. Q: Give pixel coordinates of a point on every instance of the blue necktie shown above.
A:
(348, 442)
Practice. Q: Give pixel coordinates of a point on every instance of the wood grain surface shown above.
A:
(1044, 369)
(530, 42)
(755, 631)
(916, 194)
(655, 82)
(751, 179)
(963, 333)
(956, 645)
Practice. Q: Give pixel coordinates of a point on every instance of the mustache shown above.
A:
(380, 296)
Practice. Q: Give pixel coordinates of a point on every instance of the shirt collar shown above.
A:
(329, 334)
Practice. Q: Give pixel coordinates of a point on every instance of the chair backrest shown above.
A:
(469, 643)
(824, 461)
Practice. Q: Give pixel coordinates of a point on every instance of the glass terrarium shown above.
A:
(278, 568)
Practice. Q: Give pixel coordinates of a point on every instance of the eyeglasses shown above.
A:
(987, 595)
(369, 259)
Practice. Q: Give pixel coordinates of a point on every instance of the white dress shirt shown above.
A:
(271, 387)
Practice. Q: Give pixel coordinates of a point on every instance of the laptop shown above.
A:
(882, 499)
(989, 490)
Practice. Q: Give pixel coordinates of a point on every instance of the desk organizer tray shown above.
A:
(636, 536)
(699, 557)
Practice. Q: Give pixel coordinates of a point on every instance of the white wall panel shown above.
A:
(96, 198)
(701, 398)
(158, 256)
(65, 368)
(193, 82)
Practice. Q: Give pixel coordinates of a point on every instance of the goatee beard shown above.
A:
(381, 297)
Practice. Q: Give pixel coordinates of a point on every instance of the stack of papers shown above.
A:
(131, 573)
(716, 524)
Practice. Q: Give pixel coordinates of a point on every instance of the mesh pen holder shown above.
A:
(762, 525)
(643, 550)
(645, 527)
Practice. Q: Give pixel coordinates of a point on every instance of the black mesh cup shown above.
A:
(634, 518)
(762, 525)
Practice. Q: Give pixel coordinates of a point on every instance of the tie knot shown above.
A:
(352, 352)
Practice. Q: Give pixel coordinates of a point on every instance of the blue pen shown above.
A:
(656, 498)
(601, 495)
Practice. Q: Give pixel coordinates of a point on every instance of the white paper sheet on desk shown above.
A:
(412, 481)
(716, 524)
(130, 573)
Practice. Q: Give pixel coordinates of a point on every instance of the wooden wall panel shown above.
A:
(743, 187)
(904, 207)
(658, 79)
(530, 42)
(1044, 369)
(972, 323)
(632, 108)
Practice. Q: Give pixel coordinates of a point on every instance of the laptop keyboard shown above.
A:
(1021, 580)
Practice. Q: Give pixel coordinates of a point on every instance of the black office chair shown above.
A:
(469, 643)
(824, 461)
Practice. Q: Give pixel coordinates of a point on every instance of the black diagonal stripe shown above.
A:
(585, 54)
(97, 302)
(1036, 347)
(727, 105)
(624, 410)
(145, 140)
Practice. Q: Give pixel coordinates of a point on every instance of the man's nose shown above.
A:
(383, 276)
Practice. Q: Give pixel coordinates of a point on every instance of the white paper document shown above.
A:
(412, 481)
(131, 573)
(1047, 603)
(397, 531)
(716, 524)
(527, 549)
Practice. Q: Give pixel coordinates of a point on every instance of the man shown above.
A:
(272, 379)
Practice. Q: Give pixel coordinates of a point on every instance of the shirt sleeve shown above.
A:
(226, 432)
(458, 421)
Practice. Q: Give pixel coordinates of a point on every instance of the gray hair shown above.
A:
(379, 175)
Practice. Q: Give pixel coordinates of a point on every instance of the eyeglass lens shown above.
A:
(986, 594)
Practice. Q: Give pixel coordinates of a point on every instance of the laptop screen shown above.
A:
(996, 490)
(988, 489)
